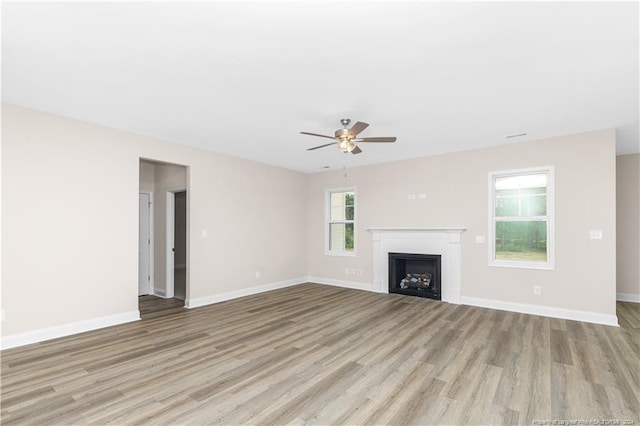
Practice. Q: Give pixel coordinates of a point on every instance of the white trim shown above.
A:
(628, 297)
(21, 339)
(221, 297)
(169, 247)
(160, 293)
(151, 241)
(339, 283)
(340, 253)
(550, 263)
(545, 311)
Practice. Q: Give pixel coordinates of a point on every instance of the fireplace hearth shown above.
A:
(415, 274)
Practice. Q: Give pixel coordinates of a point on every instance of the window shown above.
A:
(340, 230)
(521, 228)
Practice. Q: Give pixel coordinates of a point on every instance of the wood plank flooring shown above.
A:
(314, 354)
(153, 306)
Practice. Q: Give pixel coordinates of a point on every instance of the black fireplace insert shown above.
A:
(415, 274)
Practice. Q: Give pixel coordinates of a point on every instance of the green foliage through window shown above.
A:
(521, 241)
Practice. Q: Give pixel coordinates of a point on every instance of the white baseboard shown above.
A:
(159, 293)
(215, 298)
(36, 336)
(545, 311)
(339, 283)
(628, 297)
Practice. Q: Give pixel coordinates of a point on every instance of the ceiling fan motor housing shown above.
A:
(343, 134)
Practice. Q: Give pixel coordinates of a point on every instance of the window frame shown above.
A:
(550, 219)
(328, 222)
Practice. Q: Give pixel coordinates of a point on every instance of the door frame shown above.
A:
(151, 287)
(170, 239)
(169, 250)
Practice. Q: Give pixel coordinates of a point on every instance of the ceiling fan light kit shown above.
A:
(346, 138)
(345, 145)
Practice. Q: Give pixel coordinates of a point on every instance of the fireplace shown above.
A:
(415, 274)
(446, 242)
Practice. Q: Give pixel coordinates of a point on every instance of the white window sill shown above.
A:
(523, 265)
(340, 253)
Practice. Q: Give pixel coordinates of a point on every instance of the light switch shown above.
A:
(204, 233)
(595, 234)
(480, 239)
(411, 196)
(422, 196)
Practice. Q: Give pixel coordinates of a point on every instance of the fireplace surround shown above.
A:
(446, 242)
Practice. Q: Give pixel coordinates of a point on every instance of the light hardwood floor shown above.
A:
(153, 306)
(325, 355)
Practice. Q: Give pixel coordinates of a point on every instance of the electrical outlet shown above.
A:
(257, 274)
(346, 271)
(537, 289)
(359, 271)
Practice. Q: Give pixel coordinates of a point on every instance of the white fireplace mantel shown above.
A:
(447, 242)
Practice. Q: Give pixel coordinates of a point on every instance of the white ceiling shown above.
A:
(244, 78)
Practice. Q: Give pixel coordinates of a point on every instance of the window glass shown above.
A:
(341, 223)
(525, 241)
(521, 230)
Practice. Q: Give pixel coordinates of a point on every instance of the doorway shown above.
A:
(164, 202)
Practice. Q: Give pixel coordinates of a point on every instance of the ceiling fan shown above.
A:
(346, 138)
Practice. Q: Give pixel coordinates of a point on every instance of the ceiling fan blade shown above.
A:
(379, 139)
(356, 150)
(315, 134)
(357, 128)
(321, 146)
